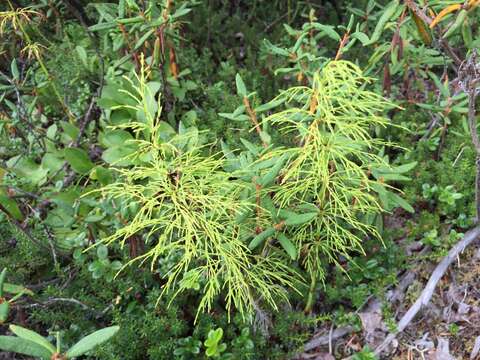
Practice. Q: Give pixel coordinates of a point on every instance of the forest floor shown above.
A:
(448, 328)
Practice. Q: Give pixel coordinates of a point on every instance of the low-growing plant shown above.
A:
(16, 290)
(187, 347)
(28, 342)
(325, 176)
(213, 345)
(186, 205)
(102, 266)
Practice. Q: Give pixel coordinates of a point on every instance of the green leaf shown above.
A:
(91, 341)
(328, 30)
(405, 167)
(78, 159)
(272, 174)
(299, 219)
(102, 252)
(52, 162)
(103, 26)
(115, 137)
(11, 206)
(24, 347)
(4, 311)
(399, 201)
(362, 37)
(270, 105)
(260, 238)
(70, 130)
(241, 89)
(144, 38)
(16, 289)
(213, 339)
(287, 245)
(33, 337)
(265, 137)
(387, 13)
(14, 70)
(118, 155)
(254, 149)
(3, 274)
(82, 54)
(459, 20)
(180, 12)
(103, 175)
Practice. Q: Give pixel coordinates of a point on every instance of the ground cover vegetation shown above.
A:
(241, 179)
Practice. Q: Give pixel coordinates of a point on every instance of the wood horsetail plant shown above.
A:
(28, 342)
(217, 226)
(185, 205)
(323, 185)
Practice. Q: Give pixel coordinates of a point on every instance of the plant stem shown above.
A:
(311, 293)
(476, 143)
(47, 74)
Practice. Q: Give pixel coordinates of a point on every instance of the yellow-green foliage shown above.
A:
(185, 205)
(331, 121)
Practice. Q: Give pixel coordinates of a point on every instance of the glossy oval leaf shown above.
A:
(78, 159)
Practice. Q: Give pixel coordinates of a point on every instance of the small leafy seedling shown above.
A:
(102, 266)
(213, 345)
(28, 342)
(187, 347)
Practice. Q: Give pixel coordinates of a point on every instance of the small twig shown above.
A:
(51, 241)
(330, 340)
(269, 26)
(86, 120)
(427, 293)
(343, 42)
(458, 156)
(253, 118)
(325, 339)
(55, 301)
(405, 281)
(469, 77)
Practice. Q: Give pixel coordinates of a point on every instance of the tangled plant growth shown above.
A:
(185, 205)
(226, 225)
(318, 194)
(329, 172)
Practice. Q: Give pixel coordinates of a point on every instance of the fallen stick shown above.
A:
(427, 293)
(328, 338)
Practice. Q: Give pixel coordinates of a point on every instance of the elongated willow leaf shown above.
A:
(33, 337)
(91, 341)
(448, 10)
(24, 347)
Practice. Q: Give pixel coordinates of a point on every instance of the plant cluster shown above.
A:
(225, 200)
